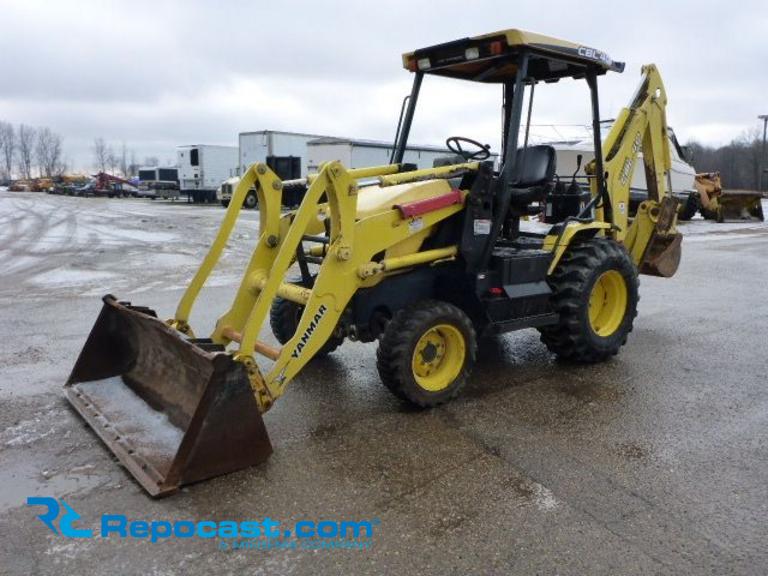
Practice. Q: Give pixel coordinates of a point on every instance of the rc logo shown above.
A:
(69, 517)
(264, 534)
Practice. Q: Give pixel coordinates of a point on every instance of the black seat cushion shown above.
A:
(535, 167)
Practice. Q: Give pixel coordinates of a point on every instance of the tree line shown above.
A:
(29, 151)
(105, 159)
(738, 162)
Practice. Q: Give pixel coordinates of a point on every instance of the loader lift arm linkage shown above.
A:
(346, 266)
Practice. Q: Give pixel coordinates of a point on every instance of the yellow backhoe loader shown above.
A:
(721, 205)
(424, 261)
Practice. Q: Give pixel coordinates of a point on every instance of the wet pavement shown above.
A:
(652, 463)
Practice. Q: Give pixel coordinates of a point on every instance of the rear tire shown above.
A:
(691, 206)
(595, 291)
(427, 353)
(225, 203)
(284, 318)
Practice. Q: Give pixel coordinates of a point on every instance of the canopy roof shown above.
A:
(493, 58)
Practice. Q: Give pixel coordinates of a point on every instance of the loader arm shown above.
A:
(348, 262)
(651, 237)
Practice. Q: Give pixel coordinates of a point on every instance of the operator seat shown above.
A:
(535, 167)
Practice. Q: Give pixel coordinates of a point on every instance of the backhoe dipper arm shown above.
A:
(651, 236)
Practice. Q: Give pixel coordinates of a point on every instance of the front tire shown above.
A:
(595, 291)
(284, 318)
(691, 206)
(427, 352)
(251, 200)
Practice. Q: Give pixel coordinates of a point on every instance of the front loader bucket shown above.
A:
(173, 411)
(740, 205)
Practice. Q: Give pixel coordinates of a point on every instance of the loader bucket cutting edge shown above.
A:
(172, 412)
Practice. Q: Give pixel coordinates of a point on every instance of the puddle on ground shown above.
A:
(23, 477)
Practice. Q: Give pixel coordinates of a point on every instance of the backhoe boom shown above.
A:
(651, 237)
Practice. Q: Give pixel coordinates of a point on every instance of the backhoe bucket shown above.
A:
(173, 410)
(662, 255)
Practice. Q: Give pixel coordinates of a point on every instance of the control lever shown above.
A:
(574, 188)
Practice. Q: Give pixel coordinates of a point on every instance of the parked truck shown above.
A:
(203, 167)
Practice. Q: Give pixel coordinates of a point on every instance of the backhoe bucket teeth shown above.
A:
(173, 410)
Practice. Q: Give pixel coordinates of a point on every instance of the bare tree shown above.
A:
(112, 161)
(133, 167)
(48, 153)
(151, 161)
(124, 161)
(101, 154)
(7, 149)
(738, 162)
(26, 148)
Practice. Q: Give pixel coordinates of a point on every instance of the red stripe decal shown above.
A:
(419, 207)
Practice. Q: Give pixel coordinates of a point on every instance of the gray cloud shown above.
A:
(158, 74)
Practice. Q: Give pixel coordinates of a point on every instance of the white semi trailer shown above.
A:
(356, 153)
(203, 167)
(284, 152)
(293, 155)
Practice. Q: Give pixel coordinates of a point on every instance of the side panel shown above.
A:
(253, 148)
(214, 165)
(217, 164)
(374, 156)
(317, 154)
(424, 158)
(186, 171)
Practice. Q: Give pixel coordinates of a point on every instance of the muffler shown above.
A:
(173, 410)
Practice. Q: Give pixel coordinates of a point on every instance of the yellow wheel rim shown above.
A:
(438, 357)
(608, 303)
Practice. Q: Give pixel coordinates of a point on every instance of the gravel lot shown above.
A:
(653, 463)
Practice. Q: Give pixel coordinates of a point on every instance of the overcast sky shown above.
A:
(159, 74)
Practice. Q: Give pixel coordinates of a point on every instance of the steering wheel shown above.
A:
(454, 145)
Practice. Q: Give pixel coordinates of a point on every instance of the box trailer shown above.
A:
(357, 153)
(158, 182)
(285, 152)
(293, 155)
(203, 167)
